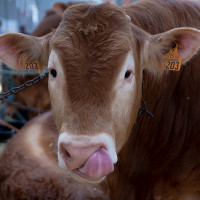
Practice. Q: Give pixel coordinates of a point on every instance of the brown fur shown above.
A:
(160, 160)
(83, 64)
(34, 97)
(26, 174)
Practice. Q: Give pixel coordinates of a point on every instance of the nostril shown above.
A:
(65, 153)
(67, 156)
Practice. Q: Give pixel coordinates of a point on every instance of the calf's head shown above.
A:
(95, 60)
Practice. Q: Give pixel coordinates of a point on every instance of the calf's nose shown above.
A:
(75, 156)
(89, 162)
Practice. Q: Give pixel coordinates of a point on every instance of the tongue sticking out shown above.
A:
(98, 165)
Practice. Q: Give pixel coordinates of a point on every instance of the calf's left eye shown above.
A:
(127, 74)
(53, 72)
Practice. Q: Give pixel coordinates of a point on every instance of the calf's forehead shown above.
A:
(92, 43)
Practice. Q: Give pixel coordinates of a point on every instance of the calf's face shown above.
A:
(93, 88)
(95, 60)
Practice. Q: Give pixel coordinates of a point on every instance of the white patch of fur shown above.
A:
(56, 84)
(54, 63)
(125, 87)
(101, 138)
(33, 140)
(128, 17)
(124, 99)
(126, 84)
(33, 143)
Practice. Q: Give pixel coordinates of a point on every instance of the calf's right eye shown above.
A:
(53, 72)
(127, 74)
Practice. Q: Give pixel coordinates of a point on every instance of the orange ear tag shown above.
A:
(29, 65)
(172, 60)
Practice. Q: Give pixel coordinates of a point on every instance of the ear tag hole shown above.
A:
(173, 45)
(172, 60)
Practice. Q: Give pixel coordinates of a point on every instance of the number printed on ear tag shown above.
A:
(172, 60)
(31, 66)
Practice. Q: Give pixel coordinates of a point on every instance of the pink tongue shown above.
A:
(98, 165)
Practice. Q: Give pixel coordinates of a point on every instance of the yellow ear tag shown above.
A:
(29, 65)
(172, 60)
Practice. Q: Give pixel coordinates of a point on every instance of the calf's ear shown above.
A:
(16, 49)
(60, 7)
(155, 47)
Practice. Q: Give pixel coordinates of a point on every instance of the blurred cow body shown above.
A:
(33, 171)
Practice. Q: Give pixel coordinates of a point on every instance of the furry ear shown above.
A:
(59, 7)
(50, 21)
(188, 40)
(16, 49)
(154, 47)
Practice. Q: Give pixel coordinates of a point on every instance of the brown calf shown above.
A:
(95, 59)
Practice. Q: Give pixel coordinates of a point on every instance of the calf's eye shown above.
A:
(53, 72)
(127, 74)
